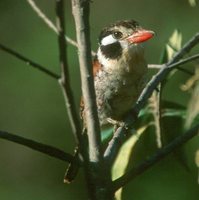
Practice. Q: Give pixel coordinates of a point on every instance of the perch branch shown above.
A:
(43, 148)
(29, 62)
(64, 80)
(115, 144)
(159, 155)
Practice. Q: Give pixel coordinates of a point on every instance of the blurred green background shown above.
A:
(32, 106)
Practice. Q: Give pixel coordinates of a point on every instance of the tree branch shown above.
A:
(64, 80)
(98, 175)
(48, 22)
(156, 79)
(81, 15)
(43, 148)
(159, 155)
(154, 66)
(114, 145)
(29, 62)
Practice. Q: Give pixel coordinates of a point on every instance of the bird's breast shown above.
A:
(117, 89)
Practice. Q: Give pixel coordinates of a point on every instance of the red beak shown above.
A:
(140, 36)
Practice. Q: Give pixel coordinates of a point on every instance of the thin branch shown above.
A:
(156, 79)
(64, 81)
(154, 66)
(80, 11)
(50, 24)
(186, 71)
(43, 148)
(29, 62)
(159, 155)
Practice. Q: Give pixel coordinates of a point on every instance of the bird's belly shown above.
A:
(116, 95)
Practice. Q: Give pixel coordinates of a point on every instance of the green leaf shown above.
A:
(174, 44)
(192, 3)
(122, 159)
(197, 158)
(193, 107)
(197, 161)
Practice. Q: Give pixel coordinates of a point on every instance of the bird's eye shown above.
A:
(117, 34)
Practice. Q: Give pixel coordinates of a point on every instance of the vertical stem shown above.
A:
(98, 174)
(81, 16)
(64, 80)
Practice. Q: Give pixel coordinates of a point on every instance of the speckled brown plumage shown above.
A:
(119, 69)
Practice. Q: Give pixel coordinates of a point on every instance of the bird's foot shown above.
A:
(115, 122)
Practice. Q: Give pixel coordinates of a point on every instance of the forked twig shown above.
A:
(48, 22)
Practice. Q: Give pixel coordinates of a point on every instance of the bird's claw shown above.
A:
(115, 122)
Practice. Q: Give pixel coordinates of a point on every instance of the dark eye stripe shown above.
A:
(112, 51)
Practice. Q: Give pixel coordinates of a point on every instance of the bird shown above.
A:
(119, 70)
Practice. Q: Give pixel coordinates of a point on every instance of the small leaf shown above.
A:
(122, 160)
(193, 107)
(174, 44)
(197, 162)
(197, 158)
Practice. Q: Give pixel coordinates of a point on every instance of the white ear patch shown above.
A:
(108, 40)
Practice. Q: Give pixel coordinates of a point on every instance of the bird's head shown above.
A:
(120, 37)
